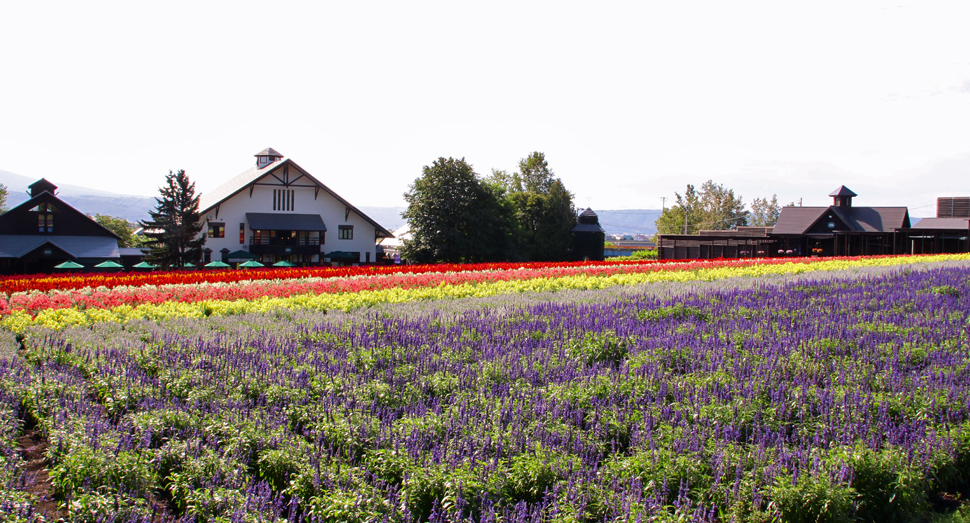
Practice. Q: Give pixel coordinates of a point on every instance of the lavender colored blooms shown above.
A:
(817, 398)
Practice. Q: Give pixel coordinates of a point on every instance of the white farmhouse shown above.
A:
(276, 211)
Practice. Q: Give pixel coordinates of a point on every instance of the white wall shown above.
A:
(233, 211)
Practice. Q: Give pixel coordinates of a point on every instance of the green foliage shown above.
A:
(889, 489)
(543, 210)
(174, 231)
(106, 504)
(599, 348)
(712, 208)
(813, 499)
(455, 217)
(678, 312)
(85, 468)
(3, 198)
(764, 213)
(119, 226)
(531, 475)
(946, 290)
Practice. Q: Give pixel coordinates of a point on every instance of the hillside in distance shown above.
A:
(629, 221)
(84, 199)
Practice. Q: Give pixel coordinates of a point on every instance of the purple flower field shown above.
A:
(815, 399)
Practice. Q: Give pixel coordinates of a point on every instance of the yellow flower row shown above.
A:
(20, 321)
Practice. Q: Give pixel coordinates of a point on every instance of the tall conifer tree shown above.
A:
(174, 231)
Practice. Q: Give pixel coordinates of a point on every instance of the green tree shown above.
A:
(714, 207)
(723, 210)
(764, 212)
(3, 198)
(120, 226)
(174, 231)
(543, 212)
(535, 173)
(455, 216)
(684, 216)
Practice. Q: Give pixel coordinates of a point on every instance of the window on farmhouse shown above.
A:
(217, 230)
(283, 199)
(45, 220)
(346, 232)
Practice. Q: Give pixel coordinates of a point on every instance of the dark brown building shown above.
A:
(949, 232)
(840, 229)
(589, 238)
(44, 231)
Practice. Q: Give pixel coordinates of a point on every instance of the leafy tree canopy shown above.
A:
(174, 231)
(3, 198)
(455, 216)
(764, 212)
(714, 207)
(543, 212)
(119, 226)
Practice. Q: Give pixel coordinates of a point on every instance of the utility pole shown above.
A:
(664, 204)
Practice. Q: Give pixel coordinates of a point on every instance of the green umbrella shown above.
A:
(251, 264)
(240, 255)
(283, 263)
(144, 265)
(109, 265)
(69, 265)
(189, 265)
(217, 265)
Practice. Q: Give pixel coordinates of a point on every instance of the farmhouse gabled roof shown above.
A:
(798, 220)
(874, 219)
(209, 200)
(50, 198)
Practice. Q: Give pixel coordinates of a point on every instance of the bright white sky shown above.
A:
(630, 101)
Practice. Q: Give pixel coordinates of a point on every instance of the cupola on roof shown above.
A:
(843, 191)
(267, 156)
(40, 186)
(842, 197)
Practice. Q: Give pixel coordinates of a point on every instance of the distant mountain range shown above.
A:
(134, 208)
(84, 199)
(629, 221)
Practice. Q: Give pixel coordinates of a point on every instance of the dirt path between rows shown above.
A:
(33, 446)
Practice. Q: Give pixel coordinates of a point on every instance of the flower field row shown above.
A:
(59, 309)
(61, 282)
(832, 399)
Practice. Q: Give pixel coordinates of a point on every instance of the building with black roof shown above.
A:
(589, 238)
(45, 231)
(948, 232)
(840, 229)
